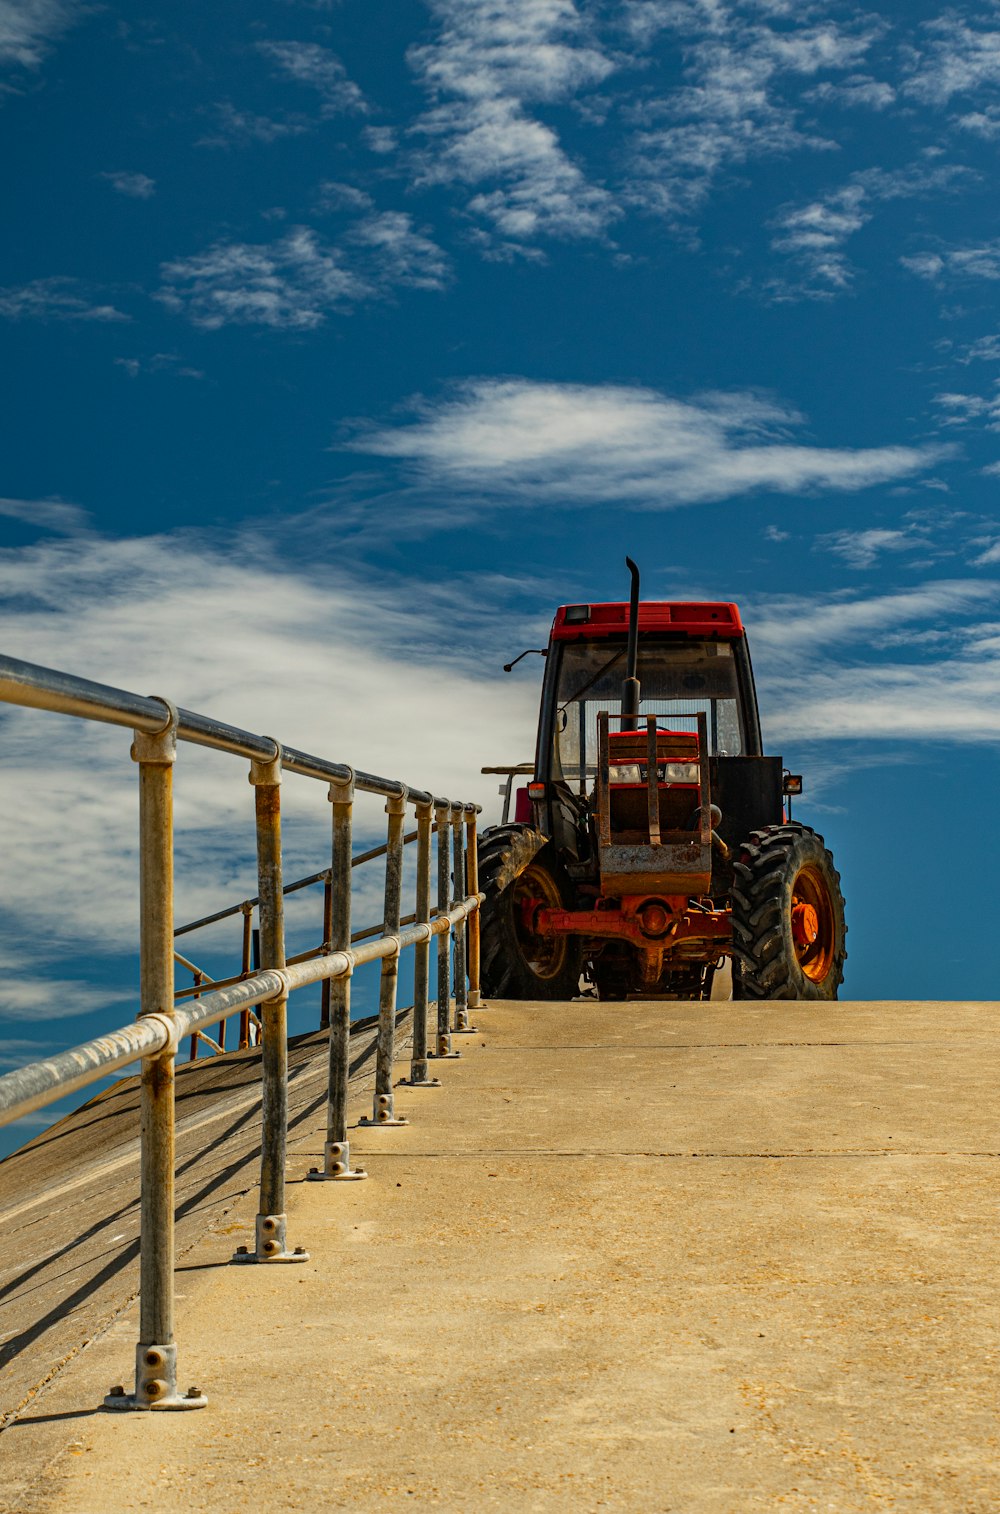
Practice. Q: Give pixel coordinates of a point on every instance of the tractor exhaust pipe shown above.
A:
(630, 692)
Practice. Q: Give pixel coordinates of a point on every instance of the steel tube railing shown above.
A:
(462, 1025)
(163, 1022)
(383, 1106)
(442, 815)
(39, 1083)
(419, 1076)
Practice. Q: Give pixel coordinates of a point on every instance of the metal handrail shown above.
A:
(154, 1037)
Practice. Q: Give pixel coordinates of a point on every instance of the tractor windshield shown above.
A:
(679, 681)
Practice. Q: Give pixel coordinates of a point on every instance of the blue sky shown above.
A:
(343, 341)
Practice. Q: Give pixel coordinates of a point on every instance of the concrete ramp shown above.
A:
(668, 1257)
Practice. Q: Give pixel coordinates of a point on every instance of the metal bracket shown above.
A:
(155, 1383)
(336, 1165)
(175, 1032)
(418, 1077)
(395, 804)
(271, 1243)
(265, 772)
(160, 746)
(444, 1050)
(383, 1112)
(341, 790)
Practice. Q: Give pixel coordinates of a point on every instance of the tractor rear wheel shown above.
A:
(788, 917)
(515, 963)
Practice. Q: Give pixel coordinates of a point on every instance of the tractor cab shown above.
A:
(693, 668)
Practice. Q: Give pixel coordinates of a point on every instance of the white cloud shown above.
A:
(54, 299)
(370, 672)
(158, 362)
(317, 68)
(960, 409)
(487, 66)
(572, 444)
(857, 91)
(137, 186)
(57, 515)
(862, 549)
(977, 262)
(295, 283)
(794, 624)
(236, 128)
(914, 667)
(332, 195)
(958, 57)
(25, 999)
(27, 27)
(742, 69)
(815, 235)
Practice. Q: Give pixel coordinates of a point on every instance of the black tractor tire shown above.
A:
(788, 917)
(514, 964)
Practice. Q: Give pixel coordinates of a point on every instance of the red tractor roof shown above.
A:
(590, 622)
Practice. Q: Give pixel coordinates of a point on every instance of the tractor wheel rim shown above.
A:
(814, 923)
(545, 955)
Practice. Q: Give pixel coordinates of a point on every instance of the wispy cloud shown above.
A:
(159, 362)
(28, 1001)
(137, 186)
(486, 69)
(814, 236)
(57, 515)
(54, 299)
(958, 54)
(296, 282)
(319, 69)
(961, 409)
(864, 549)
(572, 444)
(238, 128)
(28, 27)
(981, 261)
(743, 66)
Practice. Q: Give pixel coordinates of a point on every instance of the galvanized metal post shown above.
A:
(421, 953)
(462, 1025)
(337, 1150)
(442, 818)
(156, 1353)
(324, 1002)
(383, 1106)
(271, 1219)
(473, 934)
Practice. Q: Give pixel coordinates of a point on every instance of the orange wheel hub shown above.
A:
(814, 923)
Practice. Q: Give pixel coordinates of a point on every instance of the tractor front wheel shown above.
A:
(788, 917)
(515, 962)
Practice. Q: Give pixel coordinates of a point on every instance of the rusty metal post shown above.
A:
(156, 1353)
(421, 953)
(324, 1002)
(271, 1220)
(473, 933)
(337, 1150)
(383, 1107)
(442, 818)
(462, 1025)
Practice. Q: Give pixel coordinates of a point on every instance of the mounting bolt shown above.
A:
(118, 1391)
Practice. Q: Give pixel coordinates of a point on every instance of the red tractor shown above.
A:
(654, 839)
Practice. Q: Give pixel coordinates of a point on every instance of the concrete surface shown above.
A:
(667, 1257)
